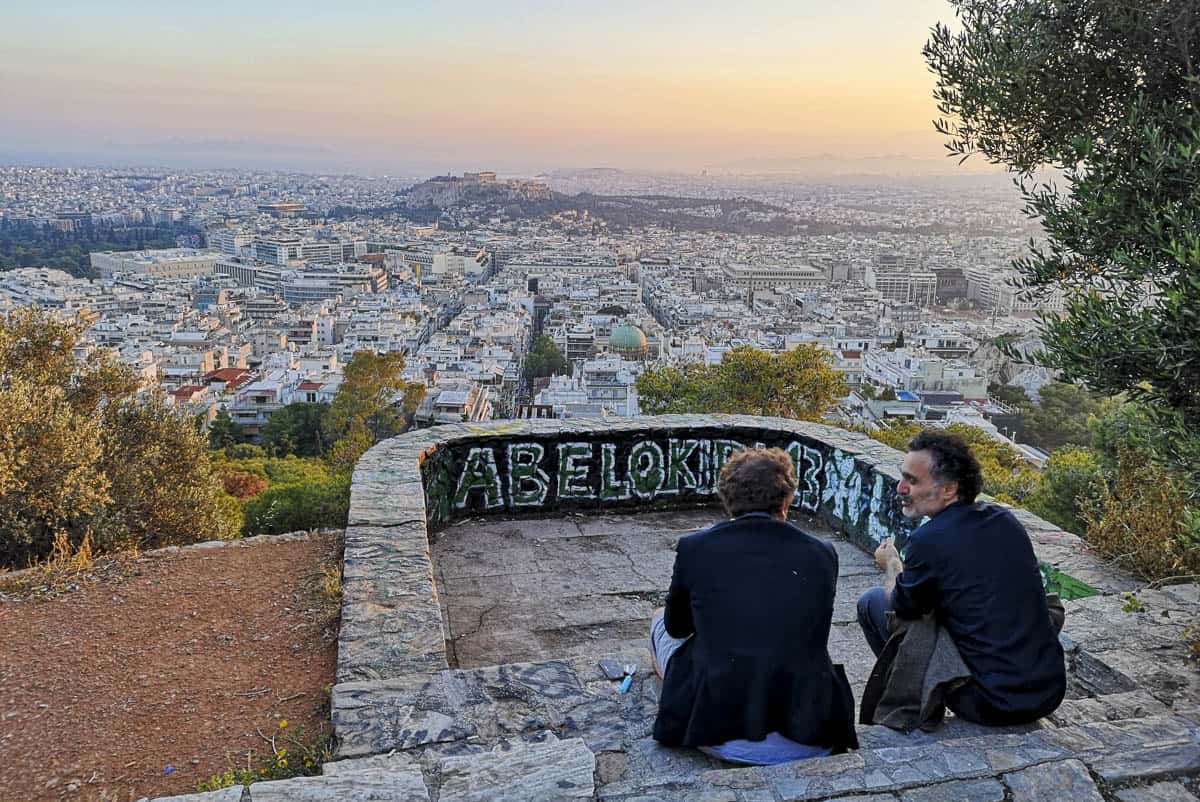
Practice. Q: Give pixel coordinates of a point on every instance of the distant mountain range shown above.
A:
(827, 164)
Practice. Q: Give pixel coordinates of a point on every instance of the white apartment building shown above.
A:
(903, 286)
(759, 277)
(168, 263)
(610, 384)
(903, 369)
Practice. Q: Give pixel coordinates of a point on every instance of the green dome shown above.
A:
(627, 338)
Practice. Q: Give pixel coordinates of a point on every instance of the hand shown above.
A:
(886, 553)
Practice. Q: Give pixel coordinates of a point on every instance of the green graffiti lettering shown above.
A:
(721, 449)
(679, 473)
(528, 484)
(646, 468)
(479, 473)
(610, 487)
(573, 470)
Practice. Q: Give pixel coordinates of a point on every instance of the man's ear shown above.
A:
(949, 491)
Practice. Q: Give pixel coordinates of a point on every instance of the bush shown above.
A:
(83, 459)
(1071, 484)
(305, 505)
(292, 754)
(1143, 521)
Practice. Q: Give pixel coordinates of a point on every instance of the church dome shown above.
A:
(628, 341)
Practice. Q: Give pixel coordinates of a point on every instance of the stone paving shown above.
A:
(472, 660)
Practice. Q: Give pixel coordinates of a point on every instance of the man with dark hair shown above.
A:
(742, 643)
(973, 567)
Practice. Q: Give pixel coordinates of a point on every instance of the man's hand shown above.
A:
(885, 554)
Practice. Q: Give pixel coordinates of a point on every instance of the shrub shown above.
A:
(307, 505)
(243, 484)
(1071, 483)
(84, 458)
(1143, 522)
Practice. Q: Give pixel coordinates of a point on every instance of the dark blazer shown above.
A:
(757, 594)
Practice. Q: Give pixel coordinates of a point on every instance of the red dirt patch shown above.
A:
(175, 659)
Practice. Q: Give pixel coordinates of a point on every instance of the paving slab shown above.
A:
(981, 790)
(369, 785)
(558, 770)
(1158, 792)
(1054, 782)
(526, 590)
(233, 794)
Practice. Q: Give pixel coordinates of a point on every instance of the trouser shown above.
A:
(967, 701)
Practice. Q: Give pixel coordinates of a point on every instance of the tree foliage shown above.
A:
(1060, 418)
(1070, 486)
(800, 384)
(298, 429)
(295, 507)
(224, 431)
(544, 359)
(82, 456)
(372, 403)
(28, 246)
(1009, 394)
(1108, 92)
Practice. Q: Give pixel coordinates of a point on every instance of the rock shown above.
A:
(985, 790)
(1054, 782)
(553, 770)
(369, 785)
(1159, 792)
(1119, 766)
(233, 794)
(398, 761)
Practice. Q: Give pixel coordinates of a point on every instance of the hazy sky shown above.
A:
(512, 86)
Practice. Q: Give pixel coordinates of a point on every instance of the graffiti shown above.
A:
(677, 466)
(573, 470)
(679, 475)
(523, 471)
(479, 472)
(611, 488)
(646, 468)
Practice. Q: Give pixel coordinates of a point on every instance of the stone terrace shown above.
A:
(497, 576)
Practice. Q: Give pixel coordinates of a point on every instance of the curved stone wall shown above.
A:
(409, 485)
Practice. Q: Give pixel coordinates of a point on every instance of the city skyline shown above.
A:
(799, 87)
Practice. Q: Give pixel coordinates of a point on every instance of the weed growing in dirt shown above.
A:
(292, 754)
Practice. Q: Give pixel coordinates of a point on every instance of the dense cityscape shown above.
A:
(277, 280)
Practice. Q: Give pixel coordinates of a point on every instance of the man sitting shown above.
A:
(973, 567)
(742, 644)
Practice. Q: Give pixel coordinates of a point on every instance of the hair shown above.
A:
(756, 480)
(950, 460)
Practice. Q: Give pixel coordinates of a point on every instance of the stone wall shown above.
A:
(409, 485)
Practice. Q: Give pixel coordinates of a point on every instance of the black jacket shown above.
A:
(973, 565)
(757, 594)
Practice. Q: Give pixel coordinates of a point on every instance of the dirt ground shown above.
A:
(148, 675)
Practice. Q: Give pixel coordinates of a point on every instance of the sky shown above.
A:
(518, 87)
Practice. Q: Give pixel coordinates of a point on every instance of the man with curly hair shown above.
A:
(742, 644)
(973, 567)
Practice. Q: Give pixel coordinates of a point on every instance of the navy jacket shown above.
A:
(973, 565)
(757, 594)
